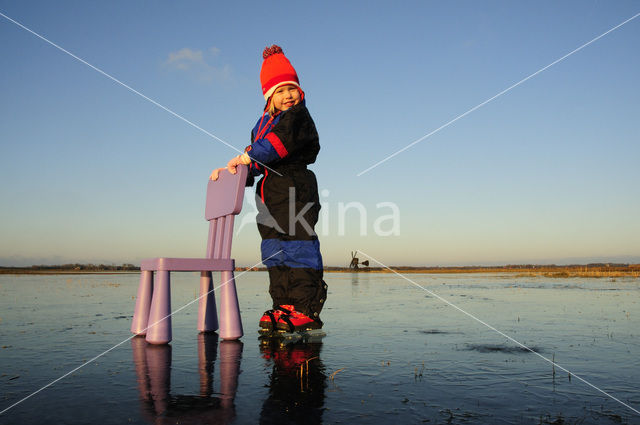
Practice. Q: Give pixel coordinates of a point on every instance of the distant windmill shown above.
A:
(355, 261)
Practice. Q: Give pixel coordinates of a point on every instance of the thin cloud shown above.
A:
(198, 64)
(185, 59)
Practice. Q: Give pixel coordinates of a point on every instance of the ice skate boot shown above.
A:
(268, 321)
(297, 326)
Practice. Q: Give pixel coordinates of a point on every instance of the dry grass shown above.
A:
(590, 270)
(333, 375)
(585, 273)
(21, 270)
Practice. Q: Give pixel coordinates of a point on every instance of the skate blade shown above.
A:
(312, 335)
(285, 338)
(267, 332)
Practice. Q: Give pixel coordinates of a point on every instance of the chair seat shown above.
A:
(187, 264)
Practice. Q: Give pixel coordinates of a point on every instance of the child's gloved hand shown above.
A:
(238, 160)
(214, 173)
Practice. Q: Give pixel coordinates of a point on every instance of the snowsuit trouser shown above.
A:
(288, 208)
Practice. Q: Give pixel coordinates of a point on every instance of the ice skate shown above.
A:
(293, 327)
(298, 322)
(268, 321)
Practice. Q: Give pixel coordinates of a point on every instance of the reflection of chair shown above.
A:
(159, 406)
(153, 303)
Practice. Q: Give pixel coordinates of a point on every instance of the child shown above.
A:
(283, 143)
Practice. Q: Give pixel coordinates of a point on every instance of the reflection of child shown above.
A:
(297, 384)
(283, 143)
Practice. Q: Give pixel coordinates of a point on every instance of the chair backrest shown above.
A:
(224, 202)
(225, 195)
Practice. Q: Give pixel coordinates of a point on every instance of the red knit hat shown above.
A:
(276, 71)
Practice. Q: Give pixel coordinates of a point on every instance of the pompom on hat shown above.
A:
(276, 71)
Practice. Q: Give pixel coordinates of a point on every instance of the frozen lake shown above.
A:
(393, 353)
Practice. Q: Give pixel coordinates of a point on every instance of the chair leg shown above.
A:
(159, 367)
(230, 322)
(159, 331)
(143, 303)
(207, 354)
(207, 314)
(138, 346)
(230, 357)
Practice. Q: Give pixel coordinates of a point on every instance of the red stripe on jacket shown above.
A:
(277, 145)
(266, 172)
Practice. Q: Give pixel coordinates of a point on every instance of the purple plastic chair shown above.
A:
(153, 303)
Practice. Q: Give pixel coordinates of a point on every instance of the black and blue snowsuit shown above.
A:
(288, 207)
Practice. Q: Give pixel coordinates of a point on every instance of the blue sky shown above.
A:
(546, 173)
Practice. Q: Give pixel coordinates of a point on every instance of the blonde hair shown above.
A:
(271, 108)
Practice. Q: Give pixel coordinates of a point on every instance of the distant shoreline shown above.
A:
(577, 270)
(520, 271)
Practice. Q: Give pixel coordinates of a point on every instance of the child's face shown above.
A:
(285, 97)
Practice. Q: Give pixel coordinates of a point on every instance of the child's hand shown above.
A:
(238, 160)
(214, 174)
